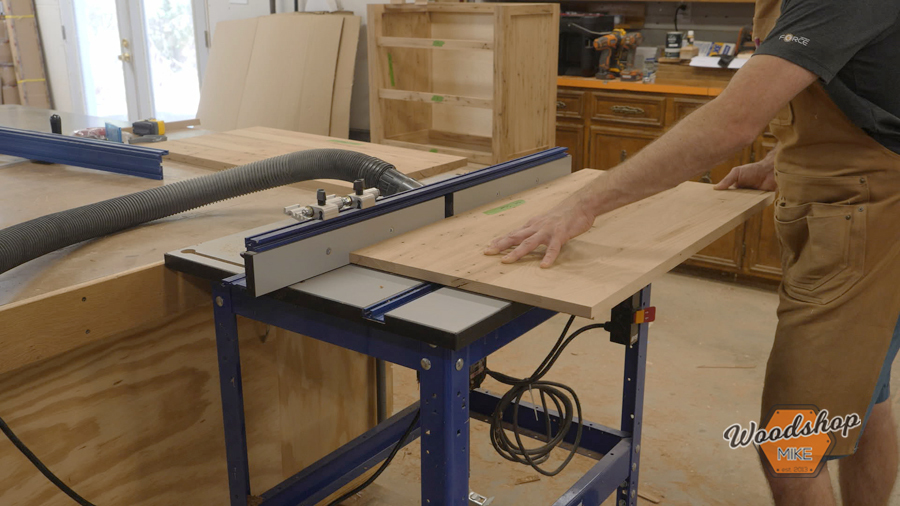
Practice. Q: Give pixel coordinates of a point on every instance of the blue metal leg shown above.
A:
(444, 394)
(633, 400)
(232, 396)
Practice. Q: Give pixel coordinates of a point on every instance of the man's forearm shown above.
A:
(712, 133)
(703, 139)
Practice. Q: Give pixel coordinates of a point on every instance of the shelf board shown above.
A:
(423, 43)
(474, 147)
(436, 98)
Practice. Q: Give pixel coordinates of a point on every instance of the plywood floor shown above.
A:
(694, 391)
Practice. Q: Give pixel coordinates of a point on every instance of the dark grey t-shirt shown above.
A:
(854, 48)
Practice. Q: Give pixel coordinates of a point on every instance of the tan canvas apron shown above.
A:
(837, 216)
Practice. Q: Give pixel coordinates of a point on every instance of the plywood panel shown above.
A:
(136, 419)
(343, 78)
(290, 80)
(229, 149)
(30, 190)
(625, 250)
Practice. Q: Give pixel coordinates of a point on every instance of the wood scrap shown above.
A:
(726, 367)
(528, 479)
(648, 495)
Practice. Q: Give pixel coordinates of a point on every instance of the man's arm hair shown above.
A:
(707, 137)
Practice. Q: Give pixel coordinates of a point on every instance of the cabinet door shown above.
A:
(612, 146)
(724, 253)
(763, 249)
(571, 135)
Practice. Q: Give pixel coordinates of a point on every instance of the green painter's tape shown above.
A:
(349, 143)
(437, 98)
(391, 70)
(438, 43)
(505, 207)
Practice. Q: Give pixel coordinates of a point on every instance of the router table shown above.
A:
(299, 276)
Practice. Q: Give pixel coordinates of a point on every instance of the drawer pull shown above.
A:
(627, 110)
(560, 104)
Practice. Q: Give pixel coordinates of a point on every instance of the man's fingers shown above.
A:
(526, 247)
(728, 180)
(553, 249)
(502, 243)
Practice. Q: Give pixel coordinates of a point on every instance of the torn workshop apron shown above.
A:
(837, 217)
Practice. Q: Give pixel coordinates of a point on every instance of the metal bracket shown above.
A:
(476, 499)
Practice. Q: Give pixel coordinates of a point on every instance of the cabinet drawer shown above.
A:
(570, 104)
(685, 106)
(623, 108)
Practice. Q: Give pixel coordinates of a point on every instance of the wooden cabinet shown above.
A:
(610, 147)
(570, 125)
(603, 128)
(763, 249)
(571, 136)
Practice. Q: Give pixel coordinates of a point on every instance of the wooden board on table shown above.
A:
(224, 150)
(624, 250)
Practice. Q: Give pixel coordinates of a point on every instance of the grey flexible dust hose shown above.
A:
(31, 239)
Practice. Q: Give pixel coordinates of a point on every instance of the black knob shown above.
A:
(320, 197)
(358, 186)
(56, 124)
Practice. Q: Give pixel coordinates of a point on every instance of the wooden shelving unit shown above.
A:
(473, 80)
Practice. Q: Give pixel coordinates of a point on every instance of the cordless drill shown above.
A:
(616, 49)
(608, 45)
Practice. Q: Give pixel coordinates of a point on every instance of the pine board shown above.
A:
(624, 251)
(224, 150)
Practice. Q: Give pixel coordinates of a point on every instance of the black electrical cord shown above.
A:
(384, 465)
(40, 465)
(583, 29)
(678, 9)
(557, 393)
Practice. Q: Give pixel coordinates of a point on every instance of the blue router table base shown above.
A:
(446, 404)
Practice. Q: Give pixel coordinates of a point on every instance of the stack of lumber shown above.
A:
(224, 150)
(26, 82)
(290, 71)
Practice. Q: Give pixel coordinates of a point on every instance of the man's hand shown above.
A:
(568, 219)
(758, 175)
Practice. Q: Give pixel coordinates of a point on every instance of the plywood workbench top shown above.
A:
(29, 190)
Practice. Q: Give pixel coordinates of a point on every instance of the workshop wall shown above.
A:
(711, 21)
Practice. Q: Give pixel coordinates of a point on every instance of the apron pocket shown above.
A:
(822, 249)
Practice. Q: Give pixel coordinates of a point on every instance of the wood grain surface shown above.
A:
(108, 361)
(30, 190)
(624, 250)
(136, 419)
(229, 149)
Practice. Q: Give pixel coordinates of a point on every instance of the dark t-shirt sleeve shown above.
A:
(823, 35)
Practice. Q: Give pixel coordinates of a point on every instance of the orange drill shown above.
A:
(607, 45)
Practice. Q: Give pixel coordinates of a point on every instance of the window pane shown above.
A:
(98, 47)
(173, 58)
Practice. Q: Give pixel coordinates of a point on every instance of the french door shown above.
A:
(136, 59)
